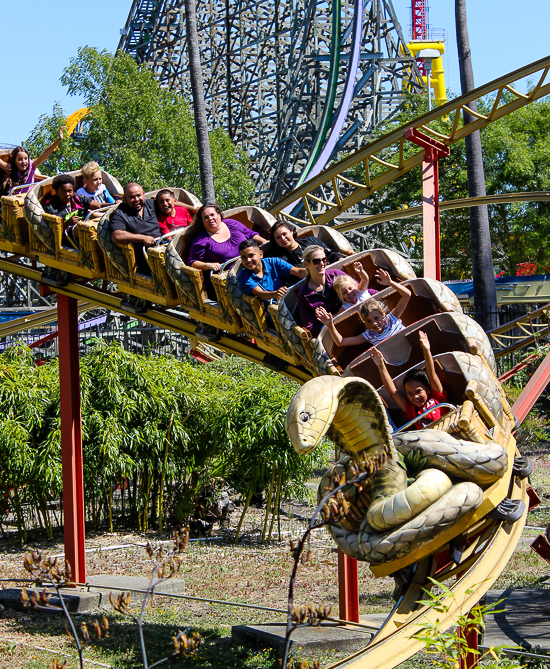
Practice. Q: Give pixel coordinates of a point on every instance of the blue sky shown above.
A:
(39, 38)
(504, 35)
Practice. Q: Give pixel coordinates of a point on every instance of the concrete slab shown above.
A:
(102, 583)
(524, 621)
(311, 640)
(76, 600)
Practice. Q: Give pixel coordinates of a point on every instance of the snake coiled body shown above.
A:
(397, 517)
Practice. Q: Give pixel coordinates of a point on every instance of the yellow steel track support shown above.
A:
(37, 320)
(172, 320)
(381, 150)
(462, 203)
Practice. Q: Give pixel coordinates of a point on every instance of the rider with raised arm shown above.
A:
(423, 388)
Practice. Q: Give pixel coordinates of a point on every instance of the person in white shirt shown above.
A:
(349, 291)
(93, 184)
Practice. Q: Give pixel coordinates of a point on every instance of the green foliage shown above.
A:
(516, 157)
(138, 131)
(450, 646)
(222, 420)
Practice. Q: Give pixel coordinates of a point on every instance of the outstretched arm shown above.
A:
(405, 294)
(363, 276)
(435, 383)
(387, 380)
(326, 319)
(47, 153)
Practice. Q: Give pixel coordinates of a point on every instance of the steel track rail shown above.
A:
(393, 146)
(37, 320)
(463, 203)
(393, 643)
(332, 85)
(171, 320)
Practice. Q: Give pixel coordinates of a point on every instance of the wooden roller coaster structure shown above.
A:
(174, 298)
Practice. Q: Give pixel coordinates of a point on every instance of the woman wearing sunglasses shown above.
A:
(317, 290)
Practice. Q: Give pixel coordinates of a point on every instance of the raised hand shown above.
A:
(377, 356)
(383, 277)
(424, 341)
(61, 132)
(323, 316)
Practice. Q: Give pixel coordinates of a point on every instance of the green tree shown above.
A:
(516, 152)
(139, 131)
(485, 296)
(224, 421)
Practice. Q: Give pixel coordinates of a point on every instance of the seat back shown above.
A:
(114, 253)
(332, 238)
(428, 297)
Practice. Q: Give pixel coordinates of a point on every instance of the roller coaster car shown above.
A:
(482, 415)
(482, 408)
(121, 265)
(428, 297)
(450, 331)
(62, 251)
(297, 338)
(14, 229)
(262, 324)
(329, 236)
(190, 284)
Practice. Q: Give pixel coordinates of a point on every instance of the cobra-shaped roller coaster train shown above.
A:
(460, 520)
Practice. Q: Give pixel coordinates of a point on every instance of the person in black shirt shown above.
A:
(68, 206)
(284, 244)
(65, 202)
(135, 222)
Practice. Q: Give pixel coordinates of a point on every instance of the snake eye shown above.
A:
(304, 417)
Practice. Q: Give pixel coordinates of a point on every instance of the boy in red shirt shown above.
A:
(423, 388)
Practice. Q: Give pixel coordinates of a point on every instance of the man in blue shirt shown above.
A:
(264, 278)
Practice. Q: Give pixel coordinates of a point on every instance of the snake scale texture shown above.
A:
(396, 515)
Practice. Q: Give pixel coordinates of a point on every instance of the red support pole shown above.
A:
(472, 639)
(71, 436)
(433, 150)
(532, 391)
(348, 587)
(430, 216)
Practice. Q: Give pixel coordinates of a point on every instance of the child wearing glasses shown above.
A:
(317, 290)
(380, 322)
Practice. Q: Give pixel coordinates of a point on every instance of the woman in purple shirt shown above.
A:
(216, 241)
(317, 290)
(20, 169)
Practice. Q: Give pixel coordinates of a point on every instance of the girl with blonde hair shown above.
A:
(380, 321)
(349, 291)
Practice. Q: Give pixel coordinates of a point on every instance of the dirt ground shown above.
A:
(249, 572)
